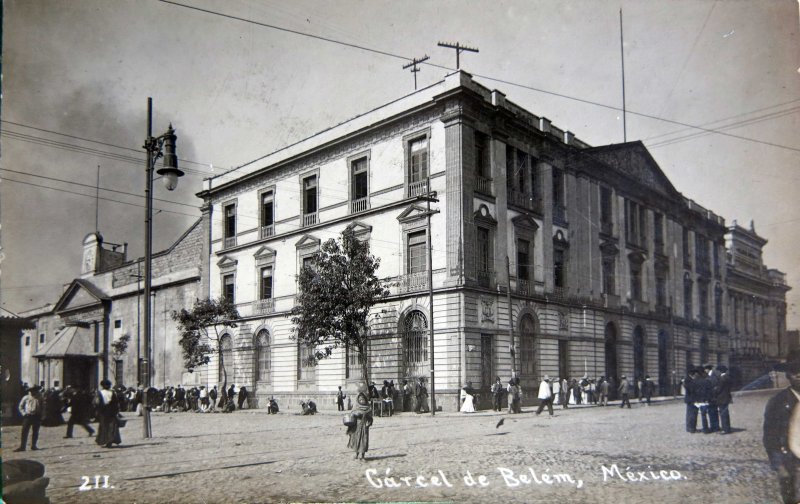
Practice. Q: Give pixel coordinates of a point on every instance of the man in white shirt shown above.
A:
(30, 407)
(545, 396)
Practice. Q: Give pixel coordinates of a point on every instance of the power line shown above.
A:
(95, 187)
(92, 141)
(495, 79)
(92, 196)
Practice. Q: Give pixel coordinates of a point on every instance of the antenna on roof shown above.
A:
(414, 68)
(459, 49)
(97, 203)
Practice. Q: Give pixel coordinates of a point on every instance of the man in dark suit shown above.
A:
(722, 397)
(713, 410)
(782, 431)
(690, 386)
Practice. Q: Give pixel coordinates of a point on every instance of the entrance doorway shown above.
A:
(663, 363)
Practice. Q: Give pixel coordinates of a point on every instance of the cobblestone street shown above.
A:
(587, 454)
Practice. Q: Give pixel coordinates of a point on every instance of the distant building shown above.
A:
(611, 270)
(757, 306)
(71, 342)
(793, 338)
(11, 328)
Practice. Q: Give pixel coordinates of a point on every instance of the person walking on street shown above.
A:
(243, 397)
(624, 392)
(497, 394)
(359, 432)
(689, 397)
(545, 396)
(30, 407)
(602, 386)
(649, 387)
(107, 411)
(722, 397)
(781, 436)
(80, 404)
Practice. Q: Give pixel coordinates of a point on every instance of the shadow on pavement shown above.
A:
(380, 457)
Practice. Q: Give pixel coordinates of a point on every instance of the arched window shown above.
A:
(527, 348)
(225, 357)
(415, 344)
(263, 356)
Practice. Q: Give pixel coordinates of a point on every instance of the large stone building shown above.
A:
(582, 260)
(71, 342)
(757, 306)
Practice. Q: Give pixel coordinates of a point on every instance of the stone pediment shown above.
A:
(80, 295)
(525, 222)
(264, 252)
(226, 263)
(361, 230)
(412, 213)
(307, 241)
(634, 161)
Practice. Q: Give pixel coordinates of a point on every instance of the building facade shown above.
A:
(757, 306)
(72, 341)
(549, 256)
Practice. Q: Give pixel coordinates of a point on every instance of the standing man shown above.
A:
(713, 412)
(30, 407)
(702, 395)
(497, 394)
(602, 386)
(782, 430)
(722, 397)
(624, 392)
(545, 396)
(565, 393)
(212, 395)
(80, 404)
(649, 387)
(689, 397)
(340, 399)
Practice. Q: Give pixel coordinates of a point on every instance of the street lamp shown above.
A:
(156, 147)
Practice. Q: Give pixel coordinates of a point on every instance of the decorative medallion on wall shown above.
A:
(487, 310)
(563, 321)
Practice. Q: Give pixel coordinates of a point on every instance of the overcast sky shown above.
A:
(235, 91)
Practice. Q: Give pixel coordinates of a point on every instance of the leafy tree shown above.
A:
(336, 294)
(118, 348)
(205, 323)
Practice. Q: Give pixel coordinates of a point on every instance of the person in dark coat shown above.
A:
(703, 392)
(624, 392)
(358, 433)
(713, 411)
(781, 436)
(80, 404)
(107, 415)
(242, 396)
(53, 406)
(722, 397)
(340, 399)
(690, 385)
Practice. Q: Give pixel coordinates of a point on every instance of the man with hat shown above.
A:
(782, 430)
(722, 397)
(30, 407)
(545, 396)
(624, 392)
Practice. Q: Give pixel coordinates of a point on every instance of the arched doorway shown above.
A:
(527, 351)
(414, 345)
(638, 357)
(611, 357)
(663, 363)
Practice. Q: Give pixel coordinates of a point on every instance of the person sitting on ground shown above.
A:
(309, 407)
(272, 408)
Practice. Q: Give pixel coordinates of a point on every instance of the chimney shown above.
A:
(544, 125)
(498, 98)
(568, 137)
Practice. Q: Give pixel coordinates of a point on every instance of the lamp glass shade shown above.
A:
(170, 180)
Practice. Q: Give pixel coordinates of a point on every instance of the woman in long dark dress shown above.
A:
(359, 433)
(107, 411)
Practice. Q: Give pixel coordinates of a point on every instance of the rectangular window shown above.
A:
(487, 360)
(27, 341)
(117, 324)
(353, 368)
(636, 281)
(658, 232)
(418, 159)
(481, 155)
(267, 214)
(522, 171)
(605, 210)
(41, 338)
(702, 294)
(523, 260)
(635, 224)
(230, 221)
(359, 184)
(119, 375)
(687, 258)
(228, 288)
(559, 200)
(417, 252)
(687, 299)
(265, 289)
(306, 370)
(310, 196)
(482, 238)
(559, 268)
(609, 276)
(661, 289)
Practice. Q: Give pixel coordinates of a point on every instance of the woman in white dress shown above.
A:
(468, 404)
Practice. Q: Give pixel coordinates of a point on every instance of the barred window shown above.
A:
(415, 344)
(225, 357)
(263, 356)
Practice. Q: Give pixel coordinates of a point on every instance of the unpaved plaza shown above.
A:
(588, 454)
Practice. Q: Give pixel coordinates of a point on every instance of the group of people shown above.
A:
(708, 394)
(39, 409)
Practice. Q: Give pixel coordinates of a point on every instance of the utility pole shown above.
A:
(459, 49)
(622, 57)
(428, 197)
(414, 68)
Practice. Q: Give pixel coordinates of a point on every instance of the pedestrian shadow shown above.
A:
(497, 434)
(381, 457)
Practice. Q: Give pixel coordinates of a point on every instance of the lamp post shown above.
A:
(156, 147)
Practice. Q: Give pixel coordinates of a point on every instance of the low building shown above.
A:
(11, 390)
(72, 342)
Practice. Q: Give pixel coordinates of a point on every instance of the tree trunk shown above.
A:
(364, 360)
